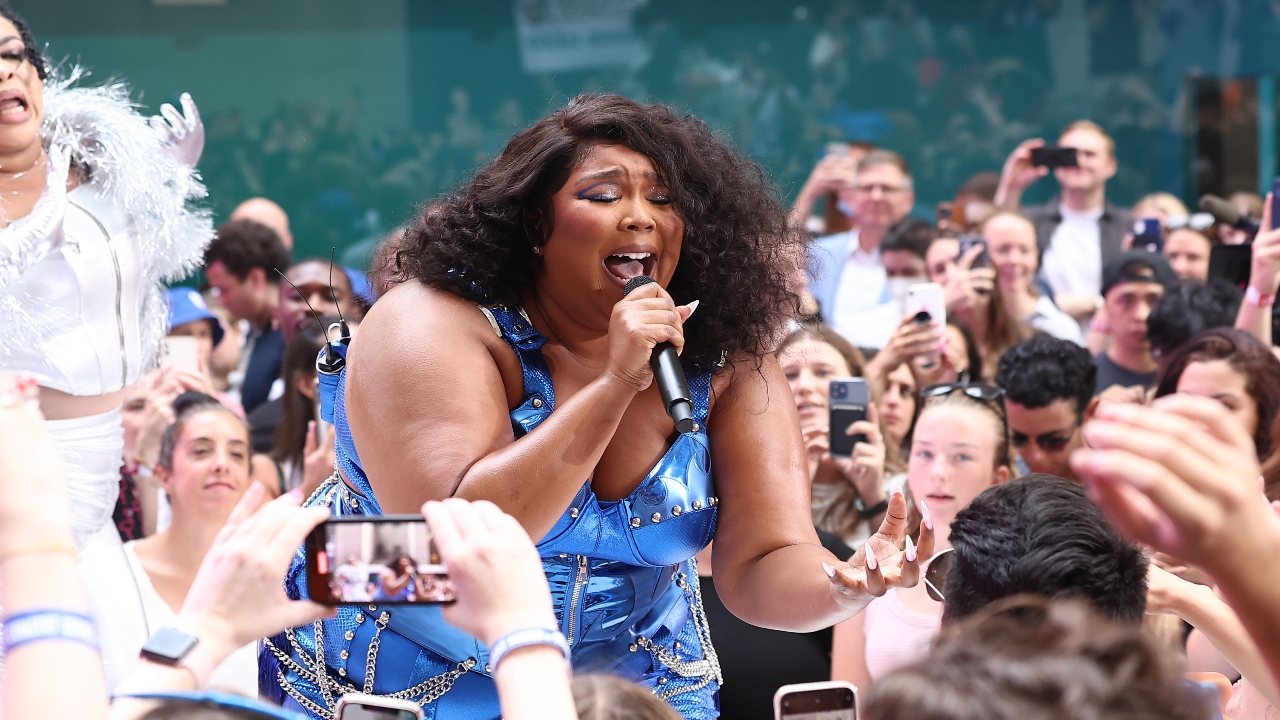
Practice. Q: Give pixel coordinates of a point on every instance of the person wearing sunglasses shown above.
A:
(1048, 384)
(959, 447)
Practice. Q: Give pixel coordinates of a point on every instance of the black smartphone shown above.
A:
(1275, 203)
(847, 404)
(967, 243)
(1148, 235)
(1231, 263)
(1052, 156)
(376, 559)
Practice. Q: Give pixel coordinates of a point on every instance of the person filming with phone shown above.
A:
(1078, 230)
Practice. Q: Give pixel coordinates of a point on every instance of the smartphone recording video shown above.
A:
(835, 700)
(387, 559)
(1052, 156)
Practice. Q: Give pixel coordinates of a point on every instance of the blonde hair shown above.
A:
(1004, 448)
(1093, 127)
(607, 697)
(1162, 202)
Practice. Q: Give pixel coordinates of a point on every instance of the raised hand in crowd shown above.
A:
(864, 469)
(318, 458)
(1264, 279)
(832, 174)
(1182, 477)
(1018, 174)
(38, 576)
(910, 341)
(501, 589)
(968, 289)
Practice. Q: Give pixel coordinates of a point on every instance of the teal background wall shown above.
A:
(350, 112)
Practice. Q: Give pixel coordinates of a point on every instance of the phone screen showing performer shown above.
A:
(816, 701)
(386, 559)
(847, 404)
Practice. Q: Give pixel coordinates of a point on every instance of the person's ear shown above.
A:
(163, 476)
(1001, 475)
(305, 384)
(256, 278)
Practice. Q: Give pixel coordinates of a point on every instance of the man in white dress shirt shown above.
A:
(845, 271)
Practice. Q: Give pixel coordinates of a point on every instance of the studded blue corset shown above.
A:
(623, 584)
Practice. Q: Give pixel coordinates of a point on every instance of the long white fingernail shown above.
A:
(693, 306)
(872, 563)
(925, 517)
(911, 550)
(830, 571)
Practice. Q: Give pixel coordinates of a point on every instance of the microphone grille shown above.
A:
(634, 283)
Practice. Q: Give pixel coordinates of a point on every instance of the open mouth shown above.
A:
(624, 266)
(12, 104)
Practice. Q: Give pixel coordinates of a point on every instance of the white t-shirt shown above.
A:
(861, 285)
(870, 328)
(1072, 264)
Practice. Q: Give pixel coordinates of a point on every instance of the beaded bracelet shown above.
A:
(523, 638)
(49, 624)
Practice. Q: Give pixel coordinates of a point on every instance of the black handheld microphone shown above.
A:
(1224, 212)
(667, 373)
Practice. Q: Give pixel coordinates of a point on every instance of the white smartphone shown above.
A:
(834, 700)
(927, 302)
(182, 352)
(357, 706)
(927, 298)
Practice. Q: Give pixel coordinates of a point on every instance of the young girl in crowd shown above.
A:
(976, 300)
(959, 447)
(848, 494)
(203, 466)
(1011, 241)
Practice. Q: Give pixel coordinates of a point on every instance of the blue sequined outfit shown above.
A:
(623, 584)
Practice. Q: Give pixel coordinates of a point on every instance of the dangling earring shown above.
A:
(537, 249)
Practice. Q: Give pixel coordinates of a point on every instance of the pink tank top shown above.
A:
(895, 634)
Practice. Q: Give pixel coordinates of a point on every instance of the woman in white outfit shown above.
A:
(94, 217)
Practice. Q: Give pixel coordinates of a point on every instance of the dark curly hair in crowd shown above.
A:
(1032, 659)
(738, 251)
(1037, 371)
(1247, 356)
(28, 41)
(242, 245)
(1189, 307)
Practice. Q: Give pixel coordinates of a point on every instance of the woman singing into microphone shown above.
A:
(507, 366)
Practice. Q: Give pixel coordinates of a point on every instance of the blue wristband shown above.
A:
(524, 638)
(49, 624)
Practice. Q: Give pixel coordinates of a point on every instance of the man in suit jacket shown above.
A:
(243, 264)
(1077, 231)
(845, 273)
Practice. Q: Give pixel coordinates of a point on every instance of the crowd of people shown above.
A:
(1058, 500)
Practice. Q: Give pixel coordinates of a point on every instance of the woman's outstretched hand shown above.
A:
(887, 559)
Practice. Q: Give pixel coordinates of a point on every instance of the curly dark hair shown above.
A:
(1246, 355)
(243, 245)
(1038, 371)
(28, 40)
(738, 250)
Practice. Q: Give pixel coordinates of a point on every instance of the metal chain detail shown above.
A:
(707, 668)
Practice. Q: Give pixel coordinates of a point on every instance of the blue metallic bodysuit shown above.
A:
(623, 584)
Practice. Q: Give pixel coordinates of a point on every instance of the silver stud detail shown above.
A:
(696, 427)
(573, 513)
(342, 672)
(564, 555)
(676, 645)
(359, 617)
(656, 517)
(373, 608)
(633, 648)
(344, 654)
(635, 522)
(384, 617)
(662, 681)
(696, 504)
(712, 502)
(488, 668)
(349, 635)
(675, 511)
(537, 402)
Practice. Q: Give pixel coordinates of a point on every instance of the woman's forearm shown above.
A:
(1255, 320)
(533, 684)
(1222, 628)
(536, 478)
(786, 590)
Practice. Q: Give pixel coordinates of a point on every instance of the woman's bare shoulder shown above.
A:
(424, 319)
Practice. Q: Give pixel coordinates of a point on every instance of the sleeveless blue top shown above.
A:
(623, 584)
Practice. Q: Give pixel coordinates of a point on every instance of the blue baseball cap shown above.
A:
(187, 305)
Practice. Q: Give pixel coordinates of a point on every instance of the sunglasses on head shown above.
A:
(977, 391)
(935, 574)
(1055, 441)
